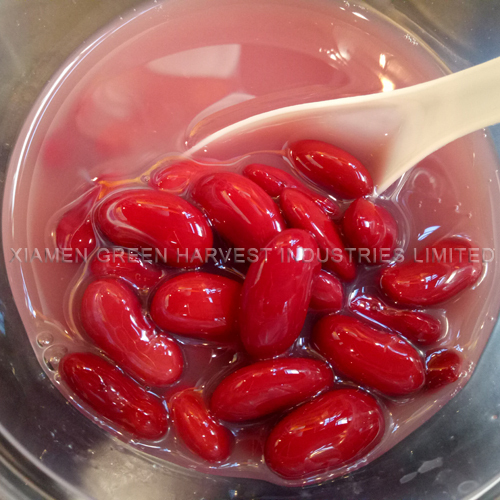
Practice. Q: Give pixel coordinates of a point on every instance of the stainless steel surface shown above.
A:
(49, 450)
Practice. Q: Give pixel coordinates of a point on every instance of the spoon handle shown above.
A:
(397, 129)
(441, 111)
(470, 98)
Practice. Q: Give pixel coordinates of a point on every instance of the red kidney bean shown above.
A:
(323, 202)
(242, 212)
(269, 386)
(197, 428)
(371, 229)
(273, 180)
(327, 293)
(129, 266)
(442, 368)
(332, 168)
(333, 430)
(416, 326)
(74, 231)
(145, 218)
(276, 293)
(198, 304)
(113, 395)
(112, 317)
(177, 176)
(427, 281)
(368, 356)
(301, 212)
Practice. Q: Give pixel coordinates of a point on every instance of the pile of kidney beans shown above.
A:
(294, 241)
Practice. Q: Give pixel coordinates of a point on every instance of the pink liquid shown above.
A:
(128, 99)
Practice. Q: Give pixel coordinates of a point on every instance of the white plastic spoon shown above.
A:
(389, 132)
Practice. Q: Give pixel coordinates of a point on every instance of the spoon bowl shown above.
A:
(388, 132)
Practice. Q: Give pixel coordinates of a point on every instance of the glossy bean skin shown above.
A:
(242, 212)
(114, 396)
(149, 219)
(301, 212)
(443, 367)
(368, 356)
(332, 430)
(276, 293)
(327, 293)
(273, 180)
(198, 304)
(112, 317)
(425, 282)
(417, 327)
(269, 386)
(131, 267)
(370, 227)
(74, 231)
(331, 167)
(177, 176)
(323, 202)
(199, 431)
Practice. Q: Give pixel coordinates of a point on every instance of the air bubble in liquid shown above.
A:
(53, 355)
(45, 339)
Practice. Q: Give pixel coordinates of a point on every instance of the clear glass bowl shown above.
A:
(49, 450)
